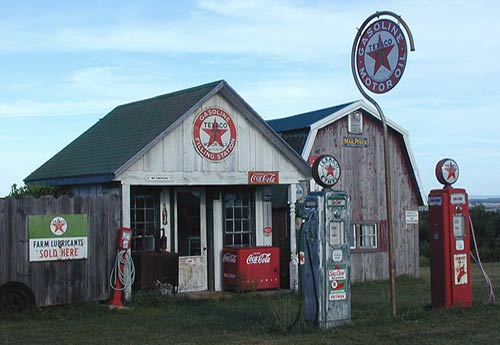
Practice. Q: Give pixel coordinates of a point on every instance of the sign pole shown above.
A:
(379, 52)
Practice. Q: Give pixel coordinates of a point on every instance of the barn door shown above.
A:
(191, 244)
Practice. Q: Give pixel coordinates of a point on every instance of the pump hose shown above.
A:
(117, 274)
(305, 223)
(312, 215)
(315, 288)
(491, 297)
(292, 325)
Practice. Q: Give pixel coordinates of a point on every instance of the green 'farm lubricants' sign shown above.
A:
(58, 237)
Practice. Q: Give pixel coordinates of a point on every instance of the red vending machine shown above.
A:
(250, 268)
(449, 232)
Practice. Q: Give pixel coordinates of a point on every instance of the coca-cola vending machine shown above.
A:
(250, 268)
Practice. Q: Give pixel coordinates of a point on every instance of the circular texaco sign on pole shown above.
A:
(381, 56)
(326, 171)
(378, 60)
(447, 171)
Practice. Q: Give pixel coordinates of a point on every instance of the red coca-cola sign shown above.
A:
(263, 177)
(229, 257)
(258, 258)
(268, 230)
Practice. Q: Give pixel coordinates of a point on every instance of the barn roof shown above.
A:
(305, 120)
(300, 131)
(116, 141)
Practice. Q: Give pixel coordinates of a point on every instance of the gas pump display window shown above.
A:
(459, 226)
(337, 237)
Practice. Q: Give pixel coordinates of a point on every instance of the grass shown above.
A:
(263, 318)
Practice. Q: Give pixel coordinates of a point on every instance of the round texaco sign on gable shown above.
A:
(214, 134)
(381, 56)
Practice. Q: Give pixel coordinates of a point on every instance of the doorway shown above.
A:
(191, 239)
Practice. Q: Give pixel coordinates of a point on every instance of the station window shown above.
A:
(365, 236)
(239, 219)
(144, 219)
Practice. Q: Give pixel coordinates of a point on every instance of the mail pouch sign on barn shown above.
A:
(58, 237)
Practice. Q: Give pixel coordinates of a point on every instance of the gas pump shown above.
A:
(123, 272)
(449, 230)
(325, 238)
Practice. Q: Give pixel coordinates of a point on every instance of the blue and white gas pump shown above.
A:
(325, 241)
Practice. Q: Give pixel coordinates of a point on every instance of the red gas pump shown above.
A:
(449, 232)
(122, 274)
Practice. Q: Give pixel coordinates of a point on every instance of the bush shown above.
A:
(34, 190)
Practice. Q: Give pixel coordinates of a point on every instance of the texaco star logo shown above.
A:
(58, 226)
(381, 56)
(214, 134)
(447, 171)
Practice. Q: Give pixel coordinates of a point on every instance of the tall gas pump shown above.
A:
(449, 236)
(325, 239)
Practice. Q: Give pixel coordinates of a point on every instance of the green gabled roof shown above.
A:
(99, 152)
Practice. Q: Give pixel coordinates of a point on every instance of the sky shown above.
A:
(66, 64)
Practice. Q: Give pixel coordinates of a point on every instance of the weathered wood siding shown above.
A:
(176, 157)
(60, 282)
(363, 175)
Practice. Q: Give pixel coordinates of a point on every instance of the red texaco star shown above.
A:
(380, 55)
(451, 170)
(215, 134)
(58, 225)
(330, 170)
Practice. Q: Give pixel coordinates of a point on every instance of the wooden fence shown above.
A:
(60, 282)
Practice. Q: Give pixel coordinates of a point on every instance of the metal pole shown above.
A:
(387, 163)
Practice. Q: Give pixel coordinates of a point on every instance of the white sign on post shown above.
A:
(411, 217)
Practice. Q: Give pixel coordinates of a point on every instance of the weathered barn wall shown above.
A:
(363, 175)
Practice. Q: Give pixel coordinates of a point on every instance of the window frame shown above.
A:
(371, 237)
(149, 224)
(380, 237)
(239, 210)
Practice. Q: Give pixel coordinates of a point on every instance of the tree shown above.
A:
(486, 226)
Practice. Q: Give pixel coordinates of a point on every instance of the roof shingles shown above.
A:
(304, 120)
(117, 137)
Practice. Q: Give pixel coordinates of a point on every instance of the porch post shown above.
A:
(126, 205)
(293, 266)
(126, 223)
